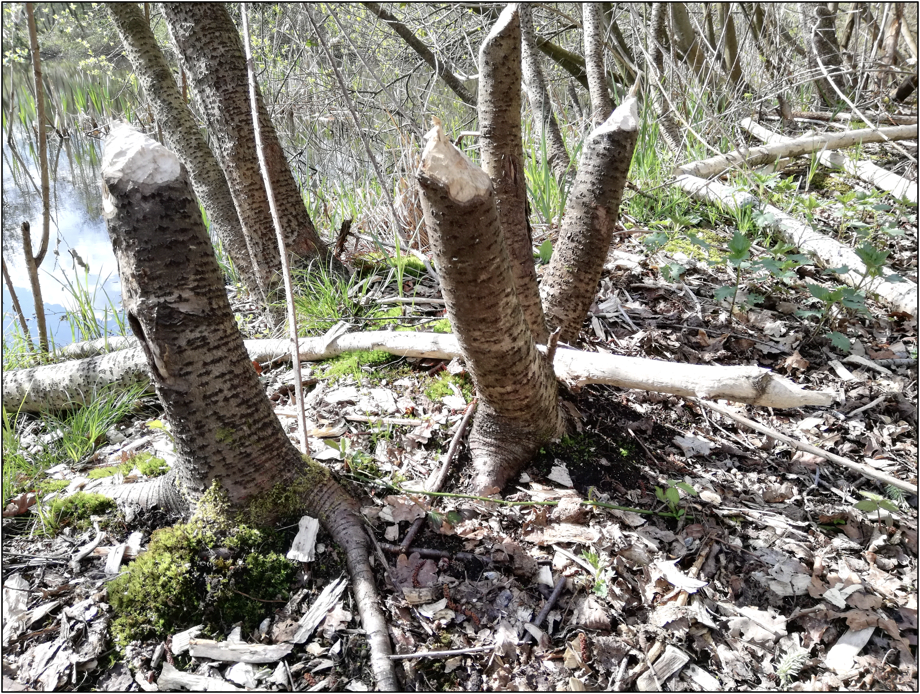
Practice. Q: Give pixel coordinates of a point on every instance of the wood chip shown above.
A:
(238, 652)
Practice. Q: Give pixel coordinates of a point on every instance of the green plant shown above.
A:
(790, 665)
(76, 510)
(85, 425)
(670, 495)
(739, 252)
(875, 503)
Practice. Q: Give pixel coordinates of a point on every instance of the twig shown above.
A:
(800, 445)
(442, 654)
(400, 421)
(550, 602)
(435, 553)
(879, 399)
(442, 473)
(411, 300)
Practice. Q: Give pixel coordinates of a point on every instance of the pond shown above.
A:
(79, 270)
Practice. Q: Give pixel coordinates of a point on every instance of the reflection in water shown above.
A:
(76, 226)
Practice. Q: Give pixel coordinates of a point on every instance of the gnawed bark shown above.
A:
(502, 156)
(223, 427)
(53, 386)
(570, 282)
(184, 137)
(756, 156)
(518, 411)
(900, 296)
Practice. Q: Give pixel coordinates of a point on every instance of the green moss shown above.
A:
(681, 243)
(441, 326)
(350, 363)
(48, 486)
(147, 464)
(440, 386)
(224, 435)
(210, 570)
(75, 510)
(284, 501)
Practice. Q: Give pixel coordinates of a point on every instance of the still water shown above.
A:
(77, 227)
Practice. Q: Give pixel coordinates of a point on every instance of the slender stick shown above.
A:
(550, 601)
(285, 268)
(17, 307)
(442, 654)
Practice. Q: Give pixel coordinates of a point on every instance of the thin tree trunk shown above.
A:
(184, 138)
(666, 125)
(34, 261)
(223, 426)
(686, 40)
(440, 68)
(593, 21)
(824, 59)
(212, 55)
(570, 282)
(730, 44)
(517, 390)
(890, 42)
(502, 156)
(540, 105)
(572, 63)
(16, 307)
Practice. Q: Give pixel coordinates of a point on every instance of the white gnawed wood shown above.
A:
(304, 546)
(238, 652)
(30, 390)
(898, 186)
(803, 145)
(452, 168)
(899, 296)
(172, 679)
(131, 155)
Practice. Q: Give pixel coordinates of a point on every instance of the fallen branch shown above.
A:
(900, 296)
(757, 156)
(800, 445)
(890, 182)
(58, 386)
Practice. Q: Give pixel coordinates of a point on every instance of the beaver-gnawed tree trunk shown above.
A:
(223, 425)
(212, 55)
(519, 410)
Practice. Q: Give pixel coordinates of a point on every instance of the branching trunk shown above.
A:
(824, 59)
(184, 138)
(223, 426)
(440, 68)
(591, 211)
(518, 411)
(211, 52)
(503, 156)
(593, 21)
(687, 42)
(540, 105)
(32, 263)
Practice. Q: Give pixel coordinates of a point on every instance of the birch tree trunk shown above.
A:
(223, 426)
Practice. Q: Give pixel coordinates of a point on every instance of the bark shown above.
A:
(16, 307)
(184, 138)
(570, 282)
(686, 41)
(440, 68)
(666, 125)
(517, 391)
(824, 56)
(540, 105)
(34, 261)
(593, 21)
(212, 56)
(730, 44)
(53, 386)
(32, 268)
(905, 89)
(502, 156)
(572, 63)
(223, 426)
(756, 156)
(890, 42)
(900, 296)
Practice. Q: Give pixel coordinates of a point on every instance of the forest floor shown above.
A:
(734, 561)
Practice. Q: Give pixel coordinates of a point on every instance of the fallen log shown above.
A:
(57, 386)
(900, 296)
(756, 156)
(890, 182)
